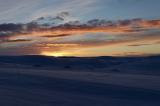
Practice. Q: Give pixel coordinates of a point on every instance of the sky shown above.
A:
(80, 28)
(27, 10)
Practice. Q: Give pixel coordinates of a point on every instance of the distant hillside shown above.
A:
(149, 64)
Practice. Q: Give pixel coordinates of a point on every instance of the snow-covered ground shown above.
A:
(25, 85)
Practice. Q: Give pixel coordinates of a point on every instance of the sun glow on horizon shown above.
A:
(55, 54)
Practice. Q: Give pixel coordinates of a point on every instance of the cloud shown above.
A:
(73, 27)
(95, 24)
(52, 20)
(59, 35)
(18, 40)
(72, 36)
(63, 14)
(75, 7)
(10, 27)
(139, 45)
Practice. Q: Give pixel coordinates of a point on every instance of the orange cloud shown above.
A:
(69, 40)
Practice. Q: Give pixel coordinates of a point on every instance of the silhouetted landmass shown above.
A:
(77, 81)
(149, 64)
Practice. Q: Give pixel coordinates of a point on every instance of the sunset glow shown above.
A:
(92, 28)
(55, 54)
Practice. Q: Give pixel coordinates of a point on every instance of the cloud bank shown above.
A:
(42, 36)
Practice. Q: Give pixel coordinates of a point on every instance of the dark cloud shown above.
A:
(27, 50)
(19, 40)
(63, 15)
(121, 23)
(100, 22)
(34, 29)
(52, 21)
(11, 27)
(139, 45)
(74, 23)
(59, 35)
(130, 25)
(158, 42)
